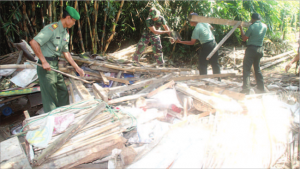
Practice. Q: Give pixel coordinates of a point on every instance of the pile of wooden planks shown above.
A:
(94, 128)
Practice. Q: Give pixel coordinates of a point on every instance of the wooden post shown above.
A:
(104, 78)
(67, 135)
(222, 41)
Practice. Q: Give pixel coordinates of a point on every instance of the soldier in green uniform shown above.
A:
(203, 33)
(152, 34)
(254, 52)
(48, 45)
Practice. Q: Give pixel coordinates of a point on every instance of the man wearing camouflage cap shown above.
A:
(152, 34)
(48, 45)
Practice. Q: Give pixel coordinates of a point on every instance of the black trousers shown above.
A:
(202, 62)
(253, 54)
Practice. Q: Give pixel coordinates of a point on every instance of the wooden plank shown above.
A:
(67, 135)
(225, 98)
(264, 61)
(138, 85)
(10, 99)
(12, 154)
(203, 19)
(103, 69)
(232, 94)
(161, 88)
(102, 93)
(16, 66)
(126, 98)
(118, 76)
(82, 91)
(198, 77)
(89, 154)
(105, 81)
(118, 80)
(274, 62)
(222, 41)
(26, 114)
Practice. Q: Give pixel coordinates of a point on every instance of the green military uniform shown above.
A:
(53, 40)
(149, 36)
(254, 52)
(203, 33)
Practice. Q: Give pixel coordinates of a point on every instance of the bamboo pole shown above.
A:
(54, 11)
(34, 18)
(104, 26)
(61, 4)
(88, 21)
(43, 9)
(67, 135)
(10, 46)
(113, 28)
(50, 11)
(79, 29)
(24, 22)
(95, 27)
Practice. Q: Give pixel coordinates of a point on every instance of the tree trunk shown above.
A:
(50, 11)
(24, 22)
(33, 18)
(54, 11)
(61, 4)
(114, 28)
(72, 30)
(104, 26)
(45, 12)
(86, 35)
(79, 29)
(95, 27)
(88, 21)
(7, 39)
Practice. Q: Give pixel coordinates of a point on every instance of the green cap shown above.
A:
(73, 13)
(154, 13)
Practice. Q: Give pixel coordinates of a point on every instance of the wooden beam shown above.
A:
(118, 80)
(197, 77)
(10, 99)
(126, 98)
(161, 88)
(105, 81)
(115, 84)
(225, 98)
(16, 66)
(67, 135)
(274, 62)
(264, 61)
(229, 93)
(138, 85)
(103, 93)
(203, 19)
(82, 91)
(223, 40)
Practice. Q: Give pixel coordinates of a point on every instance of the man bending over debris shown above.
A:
(152, 34)
(289, 65)
(203, 33)
(48, 46)
(254, 52)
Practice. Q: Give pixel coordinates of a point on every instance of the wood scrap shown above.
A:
(101, 92)
(82, 91)
(197, 77)
(105, 81)
(161, 88)
(126, 98)
(115, 83)
(67, 135)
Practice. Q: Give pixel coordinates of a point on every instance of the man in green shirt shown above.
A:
(254, 52)
(48, 45)
(152, 34)
(202, 32)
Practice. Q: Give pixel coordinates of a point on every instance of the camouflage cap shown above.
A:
(154, 13)
(73, 12)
